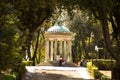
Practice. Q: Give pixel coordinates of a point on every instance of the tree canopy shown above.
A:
(20, 19)
(105, 11)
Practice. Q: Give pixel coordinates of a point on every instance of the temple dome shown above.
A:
(58, 29)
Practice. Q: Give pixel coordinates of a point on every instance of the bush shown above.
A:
(26, 63)
(98, 75)
(22, 68)
(104, 64)
(89, 65)
(94, 69)
(91, 68)
(10, 76)
(103, 77)
(95, 72)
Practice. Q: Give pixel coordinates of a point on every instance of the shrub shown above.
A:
(95, 72)
(104, 64)
(89, 65)
(10, 77)
(91, 68)
(22, 68)
(98, 75)
(103, 77)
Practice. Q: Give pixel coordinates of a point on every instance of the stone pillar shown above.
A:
(47, 51)
(51, 54)
(60, 48)
(70, 51)
(64, 50)
(55, 51)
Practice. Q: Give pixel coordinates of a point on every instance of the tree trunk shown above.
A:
(116, 70)
(36, 47)
(116, 30)
(84, 48)
(29, 41)
(115, 74)
(89, 44)
(106, 35)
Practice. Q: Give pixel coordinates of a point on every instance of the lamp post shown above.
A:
(97, 49)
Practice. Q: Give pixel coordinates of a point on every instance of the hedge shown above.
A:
(95, 72)
(9, 76)
(91, 68)
(104, 64)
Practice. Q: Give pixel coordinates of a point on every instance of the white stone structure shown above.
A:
(58, 43)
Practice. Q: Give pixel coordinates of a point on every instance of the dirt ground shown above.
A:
(107, 73)
(53, 75)
(56, 74)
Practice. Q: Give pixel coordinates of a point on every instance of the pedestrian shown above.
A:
(63, 61)
(81, 63)
(60, 61)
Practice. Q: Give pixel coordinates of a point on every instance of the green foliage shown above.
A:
(93, 55)
(103, 77)
(95, 72)
(10, 77)
(10, 37)
(91, 68)
(106, 12)
(20, 68)
(104, 64)
(81, 27)
(42, 59)
(89, 65)
(26, 63)
(33, 15)
(9, 46)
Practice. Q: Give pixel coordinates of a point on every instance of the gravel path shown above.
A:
(56, 73)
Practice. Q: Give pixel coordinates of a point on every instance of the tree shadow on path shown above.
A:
(49, 76)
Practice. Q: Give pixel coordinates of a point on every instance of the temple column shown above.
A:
(47, 51)
(51, 54)
(55, 52)
(69, 51)
(65, 50)
(60, 48)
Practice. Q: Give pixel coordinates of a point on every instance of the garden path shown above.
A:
(56, 73)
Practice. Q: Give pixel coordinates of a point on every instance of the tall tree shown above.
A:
(104, 11)
(32, 14)
(88, 30)
(10, 34)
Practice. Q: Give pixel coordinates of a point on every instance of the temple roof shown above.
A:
(59, 28)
